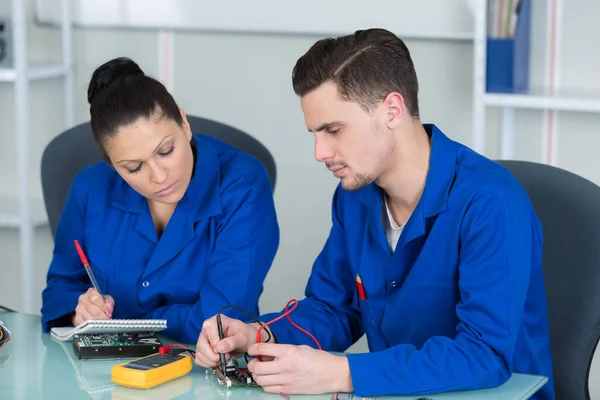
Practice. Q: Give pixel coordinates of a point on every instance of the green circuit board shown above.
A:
(117, 339)
(233, 376)
(115, 345)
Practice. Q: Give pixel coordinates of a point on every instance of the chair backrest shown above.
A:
(71, 151)
(568, 207)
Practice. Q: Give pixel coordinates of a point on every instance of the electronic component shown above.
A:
(115, 345)
(230, 374)
(233, 375)
(150, 371)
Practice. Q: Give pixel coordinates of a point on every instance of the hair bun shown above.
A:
(109, 72)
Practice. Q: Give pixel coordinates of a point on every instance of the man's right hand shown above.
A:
(93, 306)
(237, 337)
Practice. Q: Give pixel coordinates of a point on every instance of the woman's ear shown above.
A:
(185, 125)
(107, 160)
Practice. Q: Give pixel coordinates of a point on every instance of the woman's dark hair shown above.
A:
(120, 93)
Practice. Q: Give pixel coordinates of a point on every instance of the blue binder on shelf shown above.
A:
(507, 66)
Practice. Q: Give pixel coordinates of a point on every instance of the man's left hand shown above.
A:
(298, 369)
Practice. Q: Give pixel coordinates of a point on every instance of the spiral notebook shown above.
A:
(109, 326)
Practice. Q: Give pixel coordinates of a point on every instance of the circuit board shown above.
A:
(233, 375)
(115, 345)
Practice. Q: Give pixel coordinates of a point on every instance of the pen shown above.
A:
(361, 288)
(85, 263)
(222, 355)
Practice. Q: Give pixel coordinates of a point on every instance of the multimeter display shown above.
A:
(154, 361)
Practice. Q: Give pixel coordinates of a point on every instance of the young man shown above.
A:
(434, 253)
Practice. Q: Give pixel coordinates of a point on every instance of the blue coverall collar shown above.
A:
(442, 165)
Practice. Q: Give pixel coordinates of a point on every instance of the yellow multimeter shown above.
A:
(152, 370)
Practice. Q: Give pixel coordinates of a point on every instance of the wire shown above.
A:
(251, 316)
(287, 314)
(263, 325)
(169, 349)
(247, 313)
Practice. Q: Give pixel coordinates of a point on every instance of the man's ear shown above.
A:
(395, 109)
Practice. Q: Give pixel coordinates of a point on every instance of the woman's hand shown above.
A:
(93, 306)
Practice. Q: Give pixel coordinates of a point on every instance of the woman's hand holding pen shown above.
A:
(92, 305)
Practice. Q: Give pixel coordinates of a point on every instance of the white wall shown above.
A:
(245, 81)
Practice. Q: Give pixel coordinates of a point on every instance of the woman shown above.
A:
(175, 225)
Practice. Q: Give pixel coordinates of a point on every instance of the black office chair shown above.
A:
(75, 149)
(569, 208)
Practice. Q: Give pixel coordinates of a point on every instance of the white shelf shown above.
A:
(21, 73)
(9, 212)
(7, 75)
(35, 73)
(536, 99)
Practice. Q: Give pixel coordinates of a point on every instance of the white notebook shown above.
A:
(109, 326)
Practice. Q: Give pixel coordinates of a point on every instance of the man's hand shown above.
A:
(237, 336)
(93, 306)
(299, 369)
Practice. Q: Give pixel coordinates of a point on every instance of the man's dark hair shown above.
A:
(365, 66)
